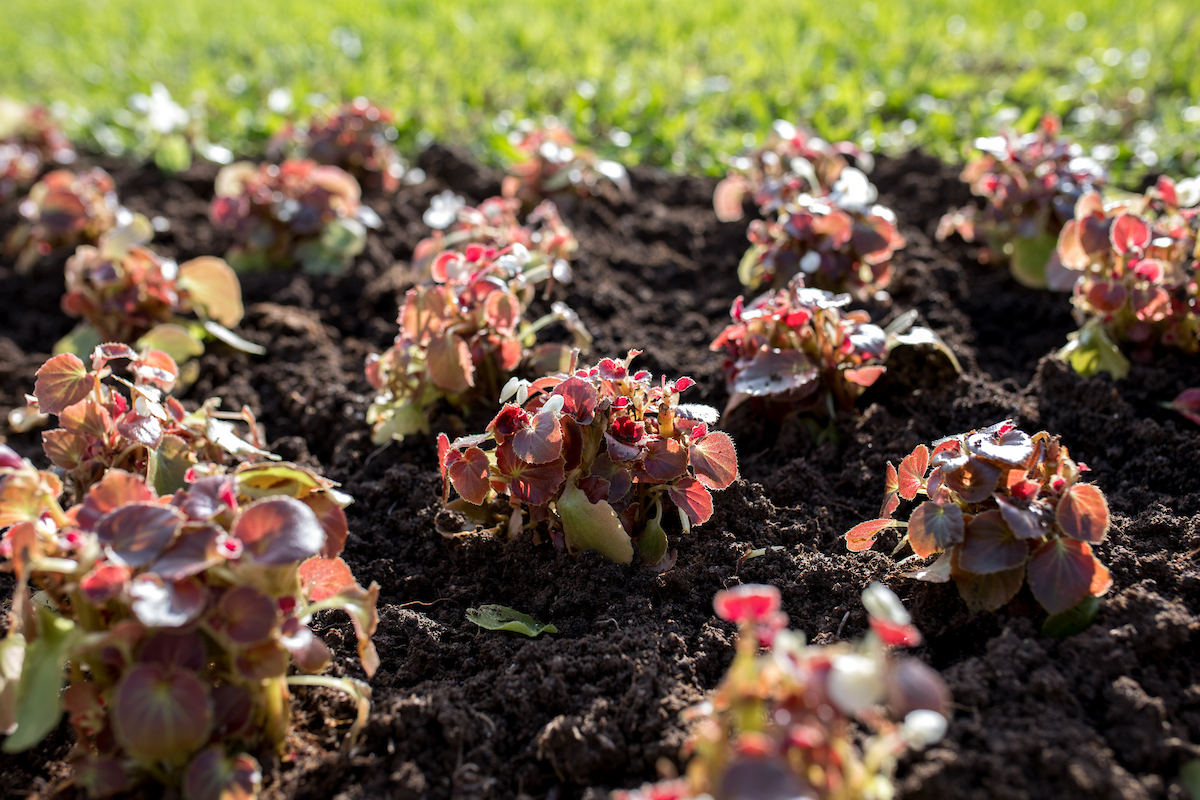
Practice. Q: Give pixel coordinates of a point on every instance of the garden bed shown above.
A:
(462, 712)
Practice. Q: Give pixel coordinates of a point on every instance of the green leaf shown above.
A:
(1090, 350)
(174, 340)
(221, 333)
(653, 542)
(1029, 258)
(173, 154)
(80, 342)
(1073, 620)
(170, 462)
(39, 693)
(1189, 776)
(503, 618)
(588, 525)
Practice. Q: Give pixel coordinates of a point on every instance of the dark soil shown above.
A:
(459, 712)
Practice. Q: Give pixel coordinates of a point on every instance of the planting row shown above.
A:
(168, 565)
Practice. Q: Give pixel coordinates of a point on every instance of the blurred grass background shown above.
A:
(680, 83)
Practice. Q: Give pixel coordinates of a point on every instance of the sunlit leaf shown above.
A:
(1083, 513)
(595, 526)
(911, 475)
(664, 460)
(63, 448)
(62, 381)
(247, 615)
(934, 527)
(714, 457)
(863, 535)
(449, 363)
(502, 618)
(213, 287)
(693, 498)
(213, 775)
(321, 578)
(541, 441)
(166, 604)
(990, 546)
(333, 522)
(1061, 573)
(138, 533)
(278, 531)
(39, 703)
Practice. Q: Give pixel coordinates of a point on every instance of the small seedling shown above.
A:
(1134, 264)
(29, 142)
(357, 137)
(548, 161)
(67, 209)
(112, 423)
(798, 348)
(788, 719)
(791, 162)
(463, 336)
(502, 618)
(592, 458)
(1030, 185)
(179, 616)
(127, 293)
(297, 212)
(1002, 508)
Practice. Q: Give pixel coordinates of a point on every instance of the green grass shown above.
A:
(687, 79)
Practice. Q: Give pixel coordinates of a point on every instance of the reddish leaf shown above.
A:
(263, 662)
(111, 351)
(989, 592)
(63, 448)
(862, 535)
(579, 399)
(990, 546)
(174, 649)
(138, 533)
(213, 775)
(1061, 573)
(321, 578)
(534, 484)
(468, 472)
(913, 685)
(247, 615)
(158, 369)
(714, 458)
(333, 522)
(1025, 523)
(1083, 513)
(664, 460)
(933, 527)
(503, 311)
(727, 199)
(1106, 296)
(750, 602)
(308, 651)
(892, 484)
(890, 503)
(87, 418)
(911, 476)
(443, 448)
(146, 431)
(1128, 233)
(894, 634)
(1101, 580)
(864, 376)
(192, 553)
(159, 713)
(974, 482)
(542, 441)
(449, 363)
(691, 496)
(62, 381)
(278, 531)
(775, 372)
(104, 582)
(116, 488)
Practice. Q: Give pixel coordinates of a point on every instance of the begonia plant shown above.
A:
(549, 161)
(801, 348)
(126, 292)
(30, 140)
(297, 212)
(462, 336)
(495, 223)
(1002, 508)
(791, 162)
(172, 620)
(785, 721)
(1030, 185)
(1134, 263)
(356, 137)
(592, 458)
(66, 209)
(108, 422)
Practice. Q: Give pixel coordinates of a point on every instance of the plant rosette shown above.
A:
(66, 209)
(548, 161)
(357, 137)
(108, 422)
(791, 162)
(29, 140)
(495, 224)
(1134, 265)
(788, 719)
(297, 212)
(800, 349)
(592, 458)
(1002, 508)
(1030, 185)
(841, 241)
(126, 292)
(178, 616)
(462, 337)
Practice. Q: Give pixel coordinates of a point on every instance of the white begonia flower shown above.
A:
(521, 253)
(561, 271)
(922, 728)
(443, 210)
(853, 192)
(882, 602)
(517, 389)
(855, 683)
(811, 262)
(784, 129)
(163, 114)
(280, 100)
(1188, 192)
